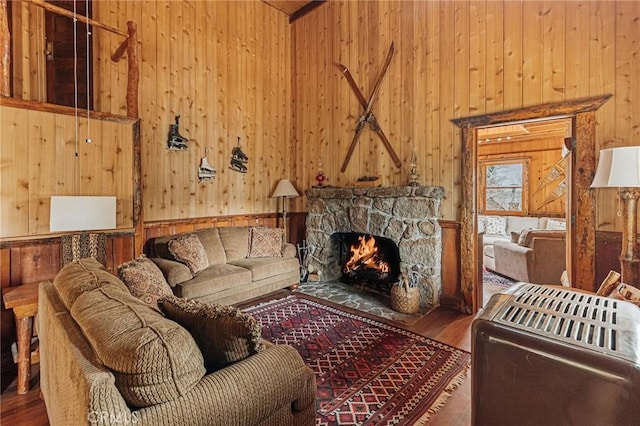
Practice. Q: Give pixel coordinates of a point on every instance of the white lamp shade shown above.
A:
(285, 189)
(82, 213)
(618, 167)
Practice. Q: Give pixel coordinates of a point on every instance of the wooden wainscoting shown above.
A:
(451, 296)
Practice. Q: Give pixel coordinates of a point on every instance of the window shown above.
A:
(503, 186)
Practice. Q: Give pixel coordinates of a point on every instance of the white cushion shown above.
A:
(556, 225)
(519, 223)
(496, 225)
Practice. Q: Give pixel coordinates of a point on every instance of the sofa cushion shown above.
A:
(556, 225)
(265, 242)
(189, 250)
(174, 272)
(495, 225)
(518, 223)
(153, 359)
(522, 238)
(212, 280)
(481, 222)
(144, 280)
(210, 239)
(85, 275)
(235, 240)
(224, 334)
(266, 267)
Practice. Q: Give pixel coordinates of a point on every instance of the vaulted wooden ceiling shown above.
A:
(294, 8)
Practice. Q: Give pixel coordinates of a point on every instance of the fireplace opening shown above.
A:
(370, 260)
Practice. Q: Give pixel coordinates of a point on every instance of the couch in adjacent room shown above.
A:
(528, 249)
(108, 358)
(226, 265)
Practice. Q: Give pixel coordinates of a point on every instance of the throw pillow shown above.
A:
(556, 225)
(144, 280)
(496, 225)
(515, 236)
(189, 250)
(481, 222)
(224, 334)
(522, 239)
(265, 242)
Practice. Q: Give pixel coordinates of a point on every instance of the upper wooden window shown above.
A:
(503, 186)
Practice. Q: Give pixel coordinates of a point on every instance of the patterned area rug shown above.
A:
(367, 372)
(497, 279)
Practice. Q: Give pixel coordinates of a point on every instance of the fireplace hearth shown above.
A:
(407, 216)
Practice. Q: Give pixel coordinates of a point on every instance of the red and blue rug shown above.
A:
(367, 372)
(490, 277)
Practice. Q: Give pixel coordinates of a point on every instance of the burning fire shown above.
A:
(365, 256)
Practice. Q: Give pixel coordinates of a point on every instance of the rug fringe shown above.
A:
(455, 382)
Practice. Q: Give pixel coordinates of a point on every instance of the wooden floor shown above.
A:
(440, 324)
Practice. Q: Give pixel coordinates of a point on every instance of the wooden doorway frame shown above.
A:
(581, 200)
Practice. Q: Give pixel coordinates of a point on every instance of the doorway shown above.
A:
(521, 192)
(581, 201)
(68, 56)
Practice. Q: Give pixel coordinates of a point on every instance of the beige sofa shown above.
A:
(109, 359)
(513, 224)
(538, 256)
(233, 275)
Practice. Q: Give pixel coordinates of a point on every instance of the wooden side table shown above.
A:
(23, 299)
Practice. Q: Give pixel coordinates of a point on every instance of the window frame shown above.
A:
(483, 164)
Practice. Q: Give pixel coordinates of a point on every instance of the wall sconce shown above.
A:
(620, 168)
(285, 189)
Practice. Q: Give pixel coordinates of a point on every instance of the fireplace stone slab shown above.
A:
(408, 215)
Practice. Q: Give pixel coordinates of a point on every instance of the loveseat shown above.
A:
(529, 249)
(239, 263)
(107, 358)
(537, 256)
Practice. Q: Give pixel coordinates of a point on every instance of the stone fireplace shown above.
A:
(407, 215)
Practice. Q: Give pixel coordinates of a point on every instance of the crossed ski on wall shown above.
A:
(368, 116)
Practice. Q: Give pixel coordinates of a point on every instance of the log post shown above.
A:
(134, 71)
(5, 54)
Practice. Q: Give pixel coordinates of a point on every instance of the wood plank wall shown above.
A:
(225, 68)
(41, 156)
(455, 59)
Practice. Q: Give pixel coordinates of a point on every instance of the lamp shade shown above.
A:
(82, 213)
(285, 189)
(618, 167)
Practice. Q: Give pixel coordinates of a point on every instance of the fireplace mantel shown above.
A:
(408, 215)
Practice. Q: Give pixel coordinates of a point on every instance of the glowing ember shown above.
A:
(364, 255)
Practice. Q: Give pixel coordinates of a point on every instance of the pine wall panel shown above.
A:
(223, 66)
(455, 59)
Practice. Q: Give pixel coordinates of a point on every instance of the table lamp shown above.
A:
(285, 189)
